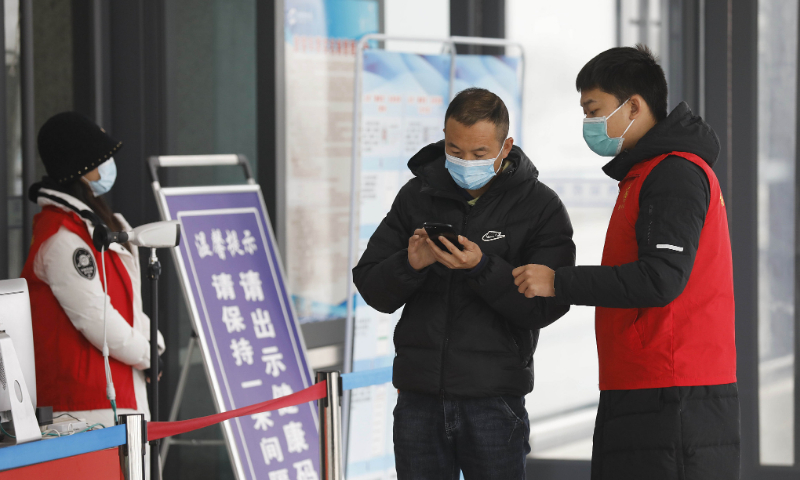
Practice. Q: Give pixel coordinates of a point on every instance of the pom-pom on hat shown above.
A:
(71, 145)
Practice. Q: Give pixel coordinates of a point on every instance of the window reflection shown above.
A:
(777, 54)
(563, 405)
(13, 140)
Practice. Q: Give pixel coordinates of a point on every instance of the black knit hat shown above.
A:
(72, 145)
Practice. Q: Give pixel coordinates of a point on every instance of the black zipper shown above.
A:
(450, 280)
(449, 315)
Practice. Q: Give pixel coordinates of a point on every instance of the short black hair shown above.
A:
(627, 71)
(472, 105)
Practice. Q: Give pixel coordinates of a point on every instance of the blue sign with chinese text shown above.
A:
(251, 342)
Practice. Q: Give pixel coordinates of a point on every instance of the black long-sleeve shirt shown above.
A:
(673, 203)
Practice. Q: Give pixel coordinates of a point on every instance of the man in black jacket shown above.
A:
(669, 405)
(466, 337)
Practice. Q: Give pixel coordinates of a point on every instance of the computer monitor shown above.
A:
(15, 320)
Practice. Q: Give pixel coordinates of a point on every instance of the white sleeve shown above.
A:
(145, 319)
(81, 296)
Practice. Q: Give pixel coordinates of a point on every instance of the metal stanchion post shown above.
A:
(154, 271)
(330, 427)
(131, 455)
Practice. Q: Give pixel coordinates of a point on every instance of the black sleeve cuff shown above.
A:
(560, 284)
(475, 271)
(420, 273)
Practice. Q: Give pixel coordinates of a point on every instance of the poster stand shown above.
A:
(370, 41)
(176, 161)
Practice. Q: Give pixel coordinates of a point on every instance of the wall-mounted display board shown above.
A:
(320, 57)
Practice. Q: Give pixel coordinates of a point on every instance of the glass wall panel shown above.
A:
(402, 18)
(558, 43)
(640, 22)
(777, 80)
(210, 107)
(559, 39)
(211, 83)
(14, 140)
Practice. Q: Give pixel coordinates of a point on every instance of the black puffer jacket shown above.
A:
(467, 333)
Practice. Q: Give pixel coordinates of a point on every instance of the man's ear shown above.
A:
(638, 107)
(507, 146)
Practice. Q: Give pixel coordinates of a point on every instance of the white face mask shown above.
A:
(472, 174)
(108, 174)
(595, 133)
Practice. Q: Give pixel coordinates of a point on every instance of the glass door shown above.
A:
(559, 39)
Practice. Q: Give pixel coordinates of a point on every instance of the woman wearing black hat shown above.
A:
(82, 298)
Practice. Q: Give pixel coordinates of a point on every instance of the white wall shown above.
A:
(416, 18)
(559, 38)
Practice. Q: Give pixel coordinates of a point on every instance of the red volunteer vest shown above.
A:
(70, 374)
(688, 342)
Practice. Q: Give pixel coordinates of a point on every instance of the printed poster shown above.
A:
(320, 73)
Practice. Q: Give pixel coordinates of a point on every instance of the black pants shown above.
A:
(435, 437)
(675, 433)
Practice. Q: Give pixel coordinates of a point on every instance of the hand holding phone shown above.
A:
(420, 252)
(453, 251)
(436, 230)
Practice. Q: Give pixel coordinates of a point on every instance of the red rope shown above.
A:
(156, 430)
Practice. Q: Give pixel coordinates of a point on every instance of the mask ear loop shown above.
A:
(629, 127)
(503, 147)
(626, 130)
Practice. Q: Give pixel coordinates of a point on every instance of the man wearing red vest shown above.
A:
(669, 405)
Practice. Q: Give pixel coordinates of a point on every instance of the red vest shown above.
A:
(70, 373)
(691, 340)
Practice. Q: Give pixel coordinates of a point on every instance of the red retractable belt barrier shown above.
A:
(156, 430)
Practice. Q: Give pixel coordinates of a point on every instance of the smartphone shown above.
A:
(436, 230)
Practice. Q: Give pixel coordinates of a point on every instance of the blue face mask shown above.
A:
(108, 173)
(471, 174)
(595, 132)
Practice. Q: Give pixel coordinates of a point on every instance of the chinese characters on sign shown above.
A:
(241, 349)
(251, 336)
(230, 244)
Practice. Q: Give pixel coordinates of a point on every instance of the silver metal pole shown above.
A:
(154, 271)
(352, 237)
(335, 421)
(330, 431)
(29, 209)
(451, 89)
(354, 176)
(132, 453)
(486, 42)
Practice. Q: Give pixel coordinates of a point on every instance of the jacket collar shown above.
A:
(681, 131)
(46, 202)
(429, 166)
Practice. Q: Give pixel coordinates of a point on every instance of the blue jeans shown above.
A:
(435, 437)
